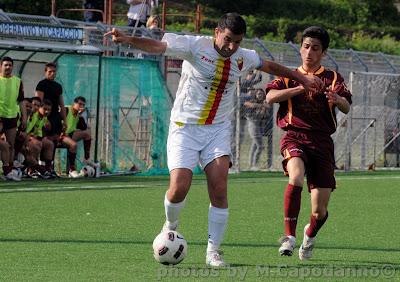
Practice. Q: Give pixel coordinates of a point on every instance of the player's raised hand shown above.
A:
(313, 85)
(331, 95)
(117, 35)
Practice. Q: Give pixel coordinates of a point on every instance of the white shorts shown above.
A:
(192, 144)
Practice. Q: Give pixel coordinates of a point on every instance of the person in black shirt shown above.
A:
(49, 89)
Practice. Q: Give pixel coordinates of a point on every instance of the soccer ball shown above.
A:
(88, 171)
(169, 247)
(19, 172)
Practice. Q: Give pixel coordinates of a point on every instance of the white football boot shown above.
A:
(287, 245)
(73, 174)
(306, 248)
(214, 259)
(169, 226)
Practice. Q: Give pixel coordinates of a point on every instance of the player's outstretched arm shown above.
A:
(277, 96)
(146, 44)
(311, 83)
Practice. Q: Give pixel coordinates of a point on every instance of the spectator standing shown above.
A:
(49, 89)
(153, 22)
(138, 12)
(11, 104)
(256, 110)
(252, 78)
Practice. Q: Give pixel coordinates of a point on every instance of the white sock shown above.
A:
(217, 220)
(172, 211)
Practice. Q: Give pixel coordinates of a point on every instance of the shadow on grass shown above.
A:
(140, 242)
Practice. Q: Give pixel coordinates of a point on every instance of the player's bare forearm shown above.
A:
(311, 83)
(23, 115)
(279, 70)
(276, 96)
(22, 109)
(342, 104)
(146, 44)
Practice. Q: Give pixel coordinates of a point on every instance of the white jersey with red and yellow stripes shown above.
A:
(208, 80)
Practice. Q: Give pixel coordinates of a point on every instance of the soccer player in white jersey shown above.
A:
(200, 128)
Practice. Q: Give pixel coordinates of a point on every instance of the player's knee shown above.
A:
(319, 213)
(176, 194)
(73, 147)
(296, 180)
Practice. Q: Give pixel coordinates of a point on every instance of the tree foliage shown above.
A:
(359, 24)
(330, 11)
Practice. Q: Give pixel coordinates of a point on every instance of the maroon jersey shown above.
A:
(309, 114)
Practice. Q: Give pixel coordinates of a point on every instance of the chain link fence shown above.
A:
(366, 138)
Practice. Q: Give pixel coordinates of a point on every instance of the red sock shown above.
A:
(291, 208)
(315, 225)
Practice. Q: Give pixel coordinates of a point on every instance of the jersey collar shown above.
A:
(318, 71)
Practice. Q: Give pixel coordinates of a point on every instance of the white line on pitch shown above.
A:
(160, 184)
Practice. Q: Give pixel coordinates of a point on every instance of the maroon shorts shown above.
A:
(317, 153)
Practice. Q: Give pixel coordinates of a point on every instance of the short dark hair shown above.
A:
(27, 99)
(47, 102)
(50, 65)
(234, 22)
(6, 59)
(36, 98)
(76, 100)
(319, 33)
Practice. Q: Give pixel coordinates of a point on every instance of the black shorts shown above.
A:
(56, 125)
(9, 123)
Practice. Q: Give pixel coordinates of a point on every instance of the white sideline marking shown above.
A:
(77, 187)
(58, 187)
(285, 179)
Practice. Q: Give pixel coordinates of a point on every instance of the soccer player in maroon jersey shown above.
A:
(306, 146)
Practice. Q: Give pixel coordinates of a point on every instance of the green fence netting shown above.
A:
(134, 108)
